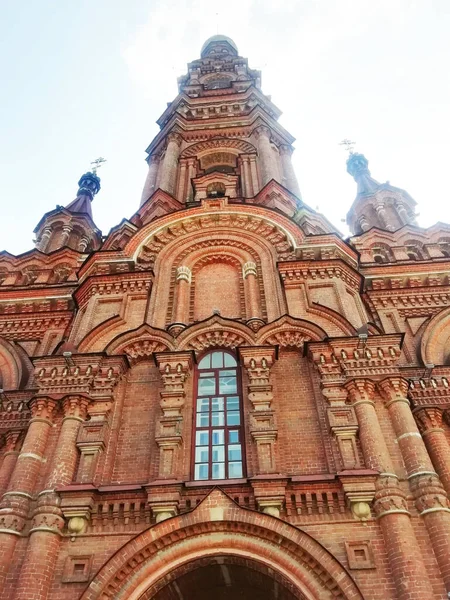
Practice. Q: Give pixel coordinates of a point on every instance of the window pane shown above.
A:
(216, 404)
(233, 437)
(227, 385)
(201, 472)
(229, 360)
(218, 454)
(218, 471)
(205, 363)
(202, 420)
(202, 438)
(228, 372)
(206, 386)
(203, 405)
(234, 469)
(217, 419)
(217, 360)
(218, 436)
(201, 454)
(234, 452)
(233, 418)
(233, 403)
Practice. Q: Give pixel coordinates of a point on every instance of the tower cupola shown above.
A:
(73, 225)
(376, 204)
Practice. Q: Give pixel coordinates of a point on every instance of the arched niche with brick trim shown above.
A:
(16, 370)
(435, 344)
(220, 527)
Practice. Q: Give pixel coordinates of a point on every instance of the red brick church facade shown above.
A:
(223, 397)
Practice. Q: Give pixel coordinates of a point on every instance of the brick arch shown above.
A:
(288, 332)
(231, 145)
(219, 526)
(140, 343)
(215, 332)
(435, 344)
(16, 369)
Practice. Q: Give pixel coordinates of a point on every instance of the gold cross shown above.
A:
(97, 163)
(349, 145)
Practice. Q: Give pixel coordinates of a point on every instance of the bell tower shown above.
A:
(220, 136)
(376, 204)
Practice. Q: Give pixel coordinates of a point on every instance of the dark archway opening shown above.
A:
(223, 578)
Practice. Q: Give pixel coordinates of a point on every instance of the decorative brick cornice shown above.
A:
(135, 282)
(376, 356)
(93, 375)
(295, 273)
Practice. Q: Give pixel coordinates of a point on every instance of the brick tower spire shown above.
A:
(376, 204)
(73, 225)
(240, 145)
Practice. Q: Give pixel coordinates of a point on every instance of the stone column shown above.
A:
(390, 505)
(289, 178)
(245, 176)
(268, 168)
(191, 173)
(9, 459)
(16, 501)
(150, 182)
(429, 421)
(364, 223)
(170, 163)
(45, 237)
(174, 368)
(254, 174)
(381, 213)
(402, 212)
(250, 276)
(257, 362)
(182, 299)
(83, 243)
(66, 231)
(181, 188)
(429, 495)
(43, 546)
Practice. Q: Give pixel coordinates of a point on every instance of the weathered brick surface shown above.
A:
(343, 368)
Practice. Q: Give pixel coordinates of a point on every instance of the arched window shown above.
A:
(218, 423)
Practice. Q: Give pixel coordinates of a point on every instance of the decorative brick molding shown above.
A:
(174, 368)
(257, 362)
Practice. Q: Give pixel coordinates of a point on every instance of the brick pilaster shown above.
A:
(390, 506)
(429, 495)
(9, 459)
(429, 421)
(174, 368)
(16, 501)
(42, 551)
(257, 362)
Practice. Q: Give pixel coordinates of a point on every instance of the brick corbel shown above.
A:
(174, 369)
(257, 362)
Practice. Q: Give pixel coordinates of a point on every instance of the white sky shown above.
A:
(86, 79)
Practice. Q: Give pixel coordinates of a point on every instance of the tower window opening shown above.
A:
(216, 190)
(218, 427)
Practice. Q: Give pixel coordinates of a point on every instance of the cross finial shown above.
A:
(97, 163)
(349, 145)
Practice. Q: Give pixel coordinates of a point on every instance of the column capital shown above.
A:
(75, 407)
(285, 150)
(184, 274)
(394, 389)
(249, 268)
(174, 137)
(11, 437)
(257, 361)
(262, 131)
(428, 419)
(43, 408)
(153, 158)
(360, 390)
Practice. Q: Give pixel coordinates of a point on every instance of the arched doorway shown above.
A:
(223, 578)
(213, 550)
